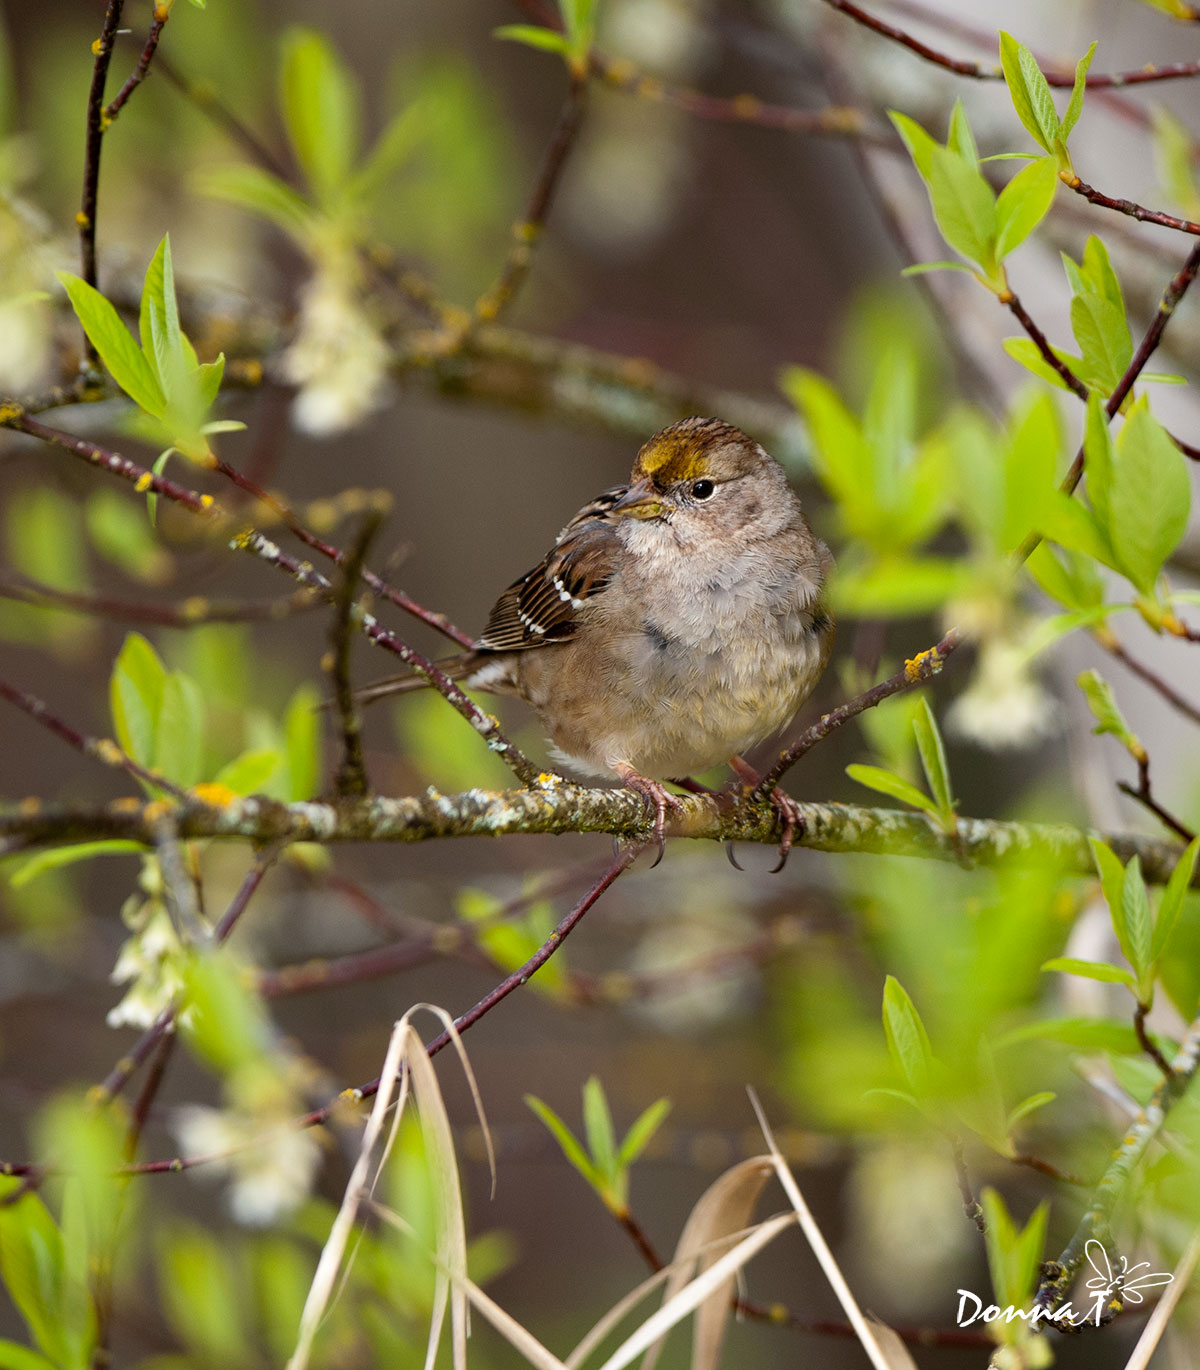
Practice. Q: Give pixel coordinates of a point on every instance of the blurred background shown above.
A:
(717, 252)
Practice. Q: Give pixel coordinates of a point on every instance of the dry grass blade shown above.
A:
(895, 1353)
(897, 1358)
(1157, 1324)
(722, 1210)
(408, 1066)
(512, 1331)
(692, 1295)
(321, 1290)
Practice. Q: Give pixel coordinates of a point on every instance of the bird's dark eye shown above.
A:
(703, 489)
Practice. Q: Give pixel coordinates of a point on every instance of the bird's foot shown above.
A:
(658, 800)
(790, 813)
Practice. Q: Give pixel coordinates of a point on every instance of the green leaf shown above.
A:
(1109, 719)
(320, 108)
(250, 772)
(875, 778)
(1091, 970)
(394, 147)
(1071, 579)
(1112, 875)
(1098, 462)
(136, 695)
(1025, 352)
(113, 341)
(1014, 1257)
(1085, 1034)
(598, 1128)
(566, 1139)
(964, 207)
(180, 735)
(1151, 496)
(258, 191)
(1030, 1105)
(548, 40)
(1173, 150)
(843, 460)
(920, 144)
(1065, 521)
(1075, 104)
(1135, 910)
(1103, 337)
(1029, 92)
(201, 1295)
(960, 139)
(120, 532)
(55, 858)
(933, 758)
(1097, 273)
(907, 1040)
(921, 268)
(16, 1357)
(1171, 904)
(302, 733)
(1024, 203)
(33, 1268)
(642, 1131)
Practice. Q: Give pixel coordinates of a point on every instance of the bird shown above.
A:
(677, 621)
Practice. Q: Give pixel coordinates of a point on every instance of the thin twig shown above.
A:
(1049, 356)
(350, 780)
(1144, 796)
(991, 71)
(970, 1204)
(193, 612)
(528, 229)
(1112, 644)
(1146, 1042)
(103, 49)
(1130, 207)
(162, 13)
(102, 749)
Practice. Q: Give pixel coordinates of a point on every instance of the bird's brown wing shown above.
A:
(543, 606)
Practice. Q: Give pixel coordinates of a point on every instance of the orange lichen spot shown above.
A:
(106, 750)
(144, 482)
(747, 106)
(214, 795)
(206, 502)
(127, 805)
(82, 220)
(156, 811)
(327, 662)
(11, 410)
(195, 608)
(97, 47)
(27, 808)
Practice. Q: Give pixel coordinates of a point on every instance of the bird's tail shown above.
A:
(456, 667)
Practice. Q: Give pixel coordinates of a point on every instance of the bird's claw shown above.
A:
(657, 799)
(792, 817)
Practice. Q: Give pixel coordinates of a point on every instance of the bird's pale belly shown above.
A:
(670, 707)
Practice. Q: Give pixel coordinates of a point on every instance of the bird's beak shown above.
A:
(640, 501)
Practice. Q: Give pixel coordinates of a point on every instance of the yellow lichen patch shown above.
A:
(144, 482)
(216, 796)
(30, 807)
(206, 501)
(924, 664)
(195, 608)
(126, 806)
(156, 811)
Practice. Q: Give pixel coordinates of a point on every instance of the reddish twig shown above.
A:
(1049, 356)
(1146, 1042)
(102, 749)
(192, 612)
(1171, 71)
(1144, 796)
(1111, 644)
(1130, 207)
(924, 666)
(527, 230)
(162, 13)
(439, 622)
